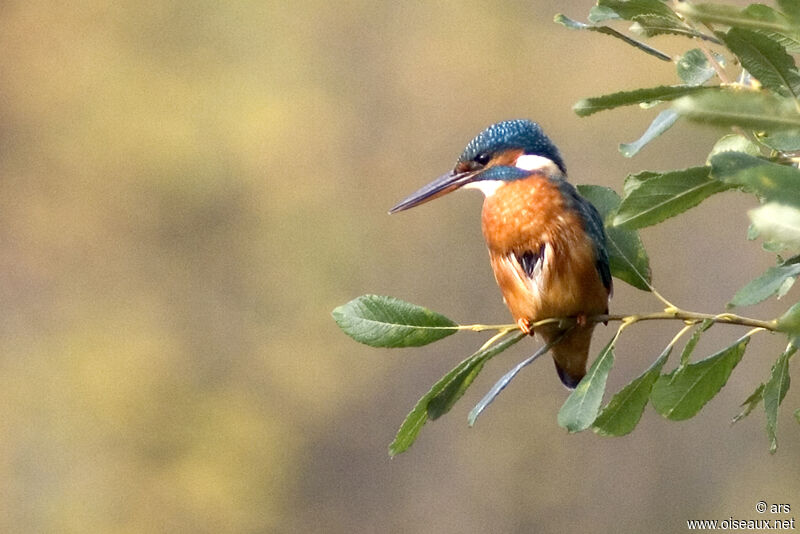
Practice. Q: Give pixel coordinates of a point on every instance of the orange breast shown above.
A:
(530, 215)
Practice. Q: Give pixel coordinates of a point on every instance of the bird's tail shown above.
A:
(570, 354)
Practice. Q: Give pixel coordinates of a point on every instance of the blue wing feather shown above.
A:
(594, 227)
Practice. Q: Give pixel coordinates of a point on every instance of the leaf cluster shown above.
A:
(741, 76)
(738, 74)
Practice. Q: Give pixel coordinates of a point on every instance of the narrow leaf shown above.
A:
(665, 196)
(632, 9)
(778, 224)
(682, 393)
(785, 287)
(652, 25)
(728, 16)
(588, 106)
(765, 59)
(692, 343)
(755, 110)
(765, 285)
(453, 382)
(580, 409)
(380, 321)
(770, 181)
(575, 25)
(625, 409)
(797, 415)
(443, 400)
(632, 181)
(660, 124)
(750, 403)
(501, 384)
(774, 391)
(626, 254)
(602, 14)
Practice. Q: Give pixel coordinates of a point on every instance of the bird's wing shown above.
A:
(594, 228)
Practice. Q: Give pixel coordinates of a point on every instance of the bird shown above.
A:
(547, 244)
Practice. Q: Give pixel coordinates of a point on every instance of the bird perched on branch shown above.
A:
(547, 245)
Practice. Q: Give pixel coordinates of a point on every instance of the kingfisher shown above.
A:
(547, 244)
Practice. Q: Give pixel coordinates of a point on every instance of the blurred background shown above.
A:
(188, 189)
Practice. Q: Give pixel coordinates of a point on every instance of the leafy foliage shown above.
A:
(741, 77)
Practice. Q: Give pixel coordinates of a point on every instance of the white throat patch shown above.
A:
(527, 162)
(487, 187)
(531, 162)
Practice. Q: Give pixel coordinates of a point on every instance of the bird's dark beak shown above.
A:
(439, 187)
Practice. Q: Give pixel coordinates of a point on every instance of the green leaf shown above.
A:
(632, 181)
(778, 224)
(797, 415)
(774, 391)
(601, 14)
(750, 403)
(660, 124)
(625, 409)
(754, 110)
(729, 16)
(632, 9)
(504, 381)
(769, 181)
(789, 37)
(448, 389)
(782, 141)
(734, 143)
(765, 285)
(575, 25)
(693, 67)
(443, 400)
(380, 321)
(791, 8)
(789, 323)
(588, 106)
(667, 195)
(580, 409)
(765, 59)
(785, 287)
(692, 343)
(682, 393)
(627, 256)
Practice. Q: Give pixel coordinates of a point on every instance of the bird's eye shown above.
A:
(483, 158)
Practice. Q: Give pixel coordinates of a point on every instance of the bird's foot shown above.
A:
(525, 326)
(581, 319)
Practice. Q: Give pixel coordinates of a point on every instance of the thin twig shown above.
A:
(631, 318)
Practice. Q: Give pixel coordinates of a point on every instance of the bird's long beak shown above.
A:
(440, 186)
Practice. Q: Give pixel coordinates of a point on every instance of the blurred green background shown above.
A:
(188, 189)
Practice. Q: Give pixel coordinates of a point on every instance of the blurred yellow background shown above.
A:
(188, 189)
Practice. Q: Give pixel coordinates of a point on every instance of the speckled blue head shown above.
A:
(484, 163)
(518, 134)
